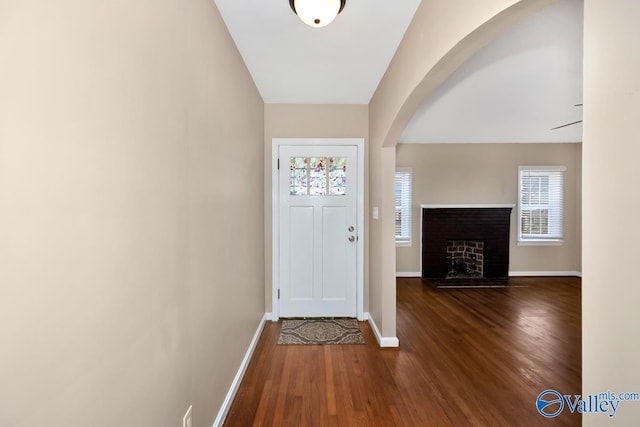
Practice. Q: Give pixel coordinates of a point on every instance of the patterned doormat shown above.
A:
(320, 331)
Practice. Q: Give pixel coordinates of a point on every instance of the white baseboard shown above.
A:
(545, 273)
(272, 317)
(382, 341)
(226, 405)
(408, 274)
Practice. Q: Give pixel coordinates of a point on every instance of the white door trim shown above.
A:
(275, 215)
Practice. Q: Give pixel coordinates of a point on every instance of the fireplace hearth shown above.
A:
(470, 241)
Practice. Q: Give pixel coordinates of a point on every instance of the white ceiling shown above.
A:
(341, 63)
(514, 90)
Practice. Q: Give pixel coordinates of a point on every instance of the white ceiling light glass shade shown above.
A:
(317, 13)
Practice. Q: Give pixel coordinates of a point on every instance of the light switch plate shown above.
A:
(375, 212)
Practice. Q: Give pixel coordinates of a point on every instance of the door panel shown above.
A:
(317, 209)
(301, 256)
(334, 253)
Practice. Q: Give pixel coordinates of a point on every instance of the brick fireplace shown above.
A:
(465, 240)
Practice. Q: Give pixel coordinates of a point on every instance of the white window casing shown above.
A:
(540, 204)
(403, 206)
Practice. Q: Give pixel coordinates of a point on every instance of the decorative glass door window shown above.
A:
(318, 176)
(299, 178)
(337, 176)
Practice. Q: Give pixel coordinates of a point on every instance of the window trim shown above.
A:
(541, 241)
(406, 241)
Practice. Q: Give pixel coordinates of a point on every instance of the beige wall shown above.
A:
(127, 291)
(442, 35)
(309, 121)
(488, 173)
(226, 233)
(610, 291)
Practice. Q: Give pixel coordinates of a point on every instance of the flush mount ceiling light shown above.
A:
(317, 13)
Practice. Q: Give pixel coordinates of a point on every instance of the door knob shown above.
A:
(352, 238)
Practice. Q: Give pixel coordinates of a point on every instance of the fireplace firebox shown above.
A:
(465, 258)
(465, 241)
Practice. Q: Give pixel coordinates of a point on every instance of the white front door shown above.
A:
(318, 235)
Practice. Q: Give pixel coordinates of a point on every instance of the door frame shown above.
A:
(275, 215)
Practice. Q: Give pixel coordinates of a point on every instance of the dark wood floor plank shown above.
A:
(467, 357)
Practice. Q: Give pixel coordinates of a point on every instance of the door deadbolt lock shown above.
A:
(351, 229)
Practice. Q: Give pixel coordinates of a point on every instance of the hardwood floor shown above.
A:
(467, 357)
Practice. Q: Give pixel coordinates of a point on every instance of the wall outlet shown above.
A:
(186, 420)
(376, 213)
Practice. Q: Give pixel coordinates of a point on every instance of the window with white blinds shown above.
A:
(540, 200)
(403, 205)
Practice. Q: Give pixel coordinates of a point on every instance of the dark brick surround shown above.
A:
(439, 226)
